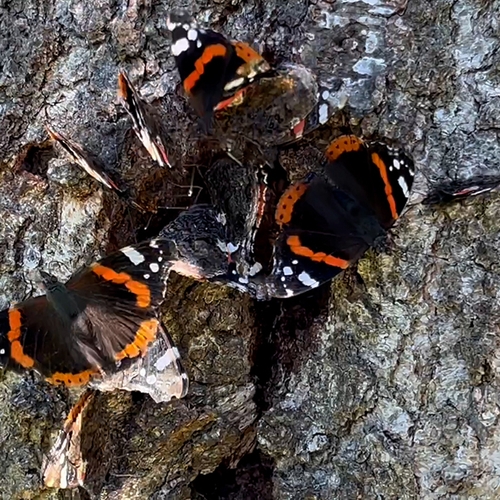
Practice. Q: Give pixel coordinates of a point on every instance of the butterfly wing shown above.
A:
(119, 297)
(34, 336)
(211, 67)
(459, 190)
(64, 467)
(159, 373)
(323, 231)
(201, 57)
(77, 155)
(376, 175)
(106, 312)
(145, 126)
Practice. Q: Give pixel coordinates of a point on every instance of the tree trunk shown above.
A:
(384, 385)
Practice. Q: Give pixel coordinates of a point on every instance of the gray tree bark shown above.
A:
(385, 385)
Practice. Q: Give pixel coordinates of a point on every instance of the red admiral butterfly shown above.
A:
(329, 219)
(214, 70)
(106, 313)
(459, 190)
(76, 154)
(251, 100)
(147, 129)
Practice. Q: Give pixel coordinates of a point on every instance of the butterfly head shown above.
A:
(48, 282)
(58, 295)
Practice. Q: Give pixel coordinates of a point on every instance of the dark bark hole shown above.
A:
(34, 158)
(251, 479)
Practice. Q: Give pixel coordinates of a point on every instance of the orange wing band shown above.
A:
(298, 249)
(144, 336)
(388, 188)
(140, 290)
(14, 335)
(209, 53)
(284, 210)
(343, 144)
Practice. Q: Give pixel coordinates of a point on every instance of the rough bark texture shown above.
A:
(385, 385)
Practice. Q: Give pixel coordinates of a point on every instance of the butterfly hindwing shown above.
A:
(323, 230)
(64, 467)
(159, 372)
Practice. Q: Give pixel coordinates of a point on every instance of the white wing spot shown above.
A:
(257, 267)
(147, 276)
(2, 351)
(180, 46)
(404, 186)
(151, 379)
(243, 280)
(396, 164)
(287, 271)
(153, 244)
(154, 267)
(165, 360)
(289, 293)
(198, 44)
(142, 372)
(323, 113)
(160, 259)
(295, 262)
(306, 279)
(192, 35)
(133, 255)
(325, 95)
(234, 83)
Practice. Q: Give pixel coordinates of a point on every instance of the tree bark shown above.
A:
(384, 385)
